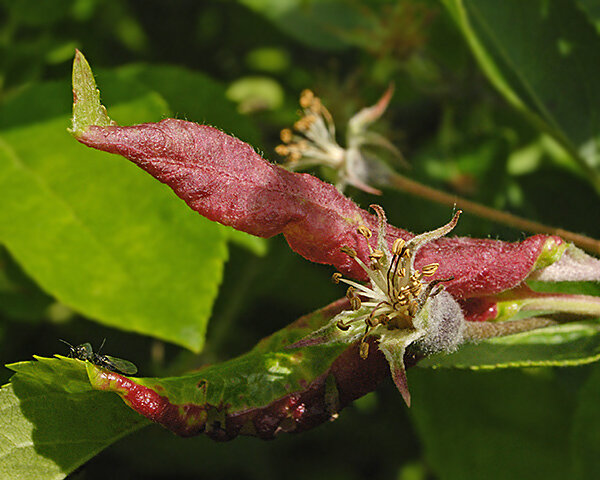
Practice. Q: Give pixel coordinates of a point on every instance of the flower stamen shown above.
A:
(312, 142)
(429, 270)
(397, 306)
(344, 326)
(397, 291)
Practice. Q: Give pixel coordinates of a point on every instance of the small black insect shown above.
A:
(86, 353)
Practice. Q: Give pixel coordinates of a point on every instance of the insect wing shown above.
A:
(120, 365)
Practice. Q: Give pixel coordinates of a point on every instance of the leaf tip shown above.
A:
(87, 109)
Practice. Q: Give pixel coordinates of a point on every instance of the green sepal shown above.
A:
(551, 252)
(332, 334)
(393, 348)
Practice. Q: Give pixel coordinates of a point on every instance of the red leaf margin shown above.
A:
(351, 377)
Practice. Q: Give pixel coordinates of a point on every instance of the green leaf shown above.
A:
(586, 428)
(543, 57)
(573, 343)
(98, 233)
(494, 425)
(592, 9)
(256, 93)
(319, 24)
(575, 288)
(258, 246)
(20, 297)
(35, 14)
(52, 421)
(265, 374)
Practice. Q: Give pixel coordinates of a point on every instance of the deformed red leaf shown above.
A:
(225, 180)
(348, 377)
(483, 266)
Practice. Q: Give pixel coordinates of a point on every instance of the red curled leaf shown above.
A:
(485, 267)
(350, 377)
(225, 180)
(253, 394)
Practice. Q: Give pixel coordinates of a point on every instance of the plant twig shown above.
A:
(420, 190)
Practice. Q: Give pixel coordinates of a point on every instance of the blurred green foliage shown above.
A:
(495, 101)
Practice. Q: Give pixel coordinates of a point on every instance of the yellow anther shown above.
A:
(429, 270)
(342, 326)
(301, 124)
(355, 303)
(301, 145)
(349, 251)
(306, 98)
(376, 254)
(415, 289)
(317, 106)
(364, 231)
(304, 123)
(335, 278)
(398, 246)
(286, 135)
(282, 150)
(351, 292)
(375, 261)
(374, 321)
(363, 349)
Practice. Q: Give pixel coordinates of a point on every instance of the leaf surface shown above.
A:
(543, 57)
(318, 24)
(99, 235)
(586, 428)
(269, 390)
(259, 393)
(575, 343)
(20, 297)
(495, 425)
(52, 421)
